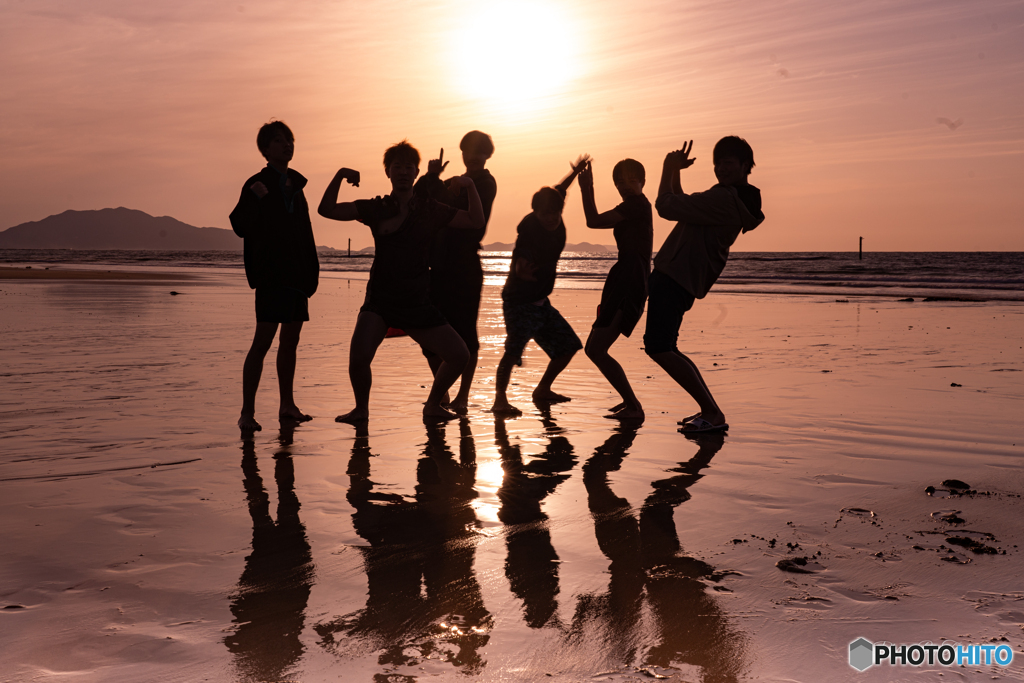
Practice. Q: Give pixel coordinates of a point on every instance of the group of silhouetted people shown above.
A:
(426, 277)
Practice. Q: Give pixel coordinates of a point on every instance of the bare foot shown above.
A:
(688, 419)
(505, 408)
(548, 397)
(353, 417)
(248, 423)
(627, 414)
(293, 413)
(437, 413)
(459, 405)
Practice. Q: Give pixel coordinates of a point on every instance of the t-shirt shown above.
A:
(634, 235)
(400, 274)
(542, 248)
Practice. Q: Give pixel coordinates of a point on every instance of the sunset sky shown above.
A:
(899, 121)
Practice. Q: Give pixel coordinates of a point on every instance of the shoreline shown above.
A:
(142, 273)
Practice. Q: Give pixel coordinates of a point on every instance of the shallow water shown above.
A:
(145, 541)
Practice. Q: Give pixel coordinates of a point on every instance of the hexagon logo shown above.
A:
(860, 654)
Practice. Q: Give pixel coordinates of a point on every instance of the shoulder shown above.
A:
(528, 224)
(257, 178)
(483, 177)
(372, 211)
(298, 180)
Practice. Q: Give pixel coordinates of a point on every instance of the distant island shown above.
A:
(118, 228)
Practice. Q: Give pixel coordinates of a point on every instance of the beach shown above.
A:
(144, 540)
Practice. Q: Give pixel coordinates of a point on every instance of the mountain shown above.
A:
(118, 228)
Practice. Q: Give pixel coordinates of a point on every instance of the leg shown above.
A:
(600, 340)
(287, 343)
(446, 343)
(461, 403)
(543, 393)
(501, 379)
(369, 333)
(667, 303)
(558, 340)
(521, 321)
(685, 373)
(252, 370)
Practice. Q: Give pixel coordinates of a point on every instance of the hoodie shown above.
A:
(695, 252)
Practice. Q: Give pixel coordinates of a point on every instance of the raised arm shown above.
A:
(329, 205)
(577, 168)
(675, 161)
(595, 220)
(430, 183)
(474, 218)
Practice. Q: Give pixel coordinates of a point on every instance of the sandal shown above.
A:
(700, 425)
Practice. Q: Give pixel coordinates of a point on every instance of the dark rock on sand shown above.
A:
(976, 547)
(797, 565)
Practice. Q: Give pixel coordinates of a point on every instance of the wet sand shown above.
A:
(143, 540)
(58, 273)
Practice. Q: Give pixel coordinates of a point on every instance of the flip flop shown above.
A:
(699, 425)
(687, 420)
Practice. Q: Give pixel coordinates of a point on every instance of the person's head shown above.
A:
(629, 177)
(402, 165)
(547, 206)
(276, 143)
(476, 148)
(734, 160)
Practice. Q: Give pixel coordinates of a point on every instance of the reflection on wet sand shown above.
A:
(655, 611)
(273, 590)
(531, 565)
(427, 542)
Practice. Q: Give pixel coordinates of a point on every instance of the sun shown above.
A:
(515, 55)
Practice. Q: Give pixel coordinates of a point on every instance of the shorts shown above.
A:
(667, 301)
(543, 324)
(281, 305)
(414, 318)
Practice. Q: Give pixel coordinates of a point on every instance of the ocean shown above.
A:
(970, 276)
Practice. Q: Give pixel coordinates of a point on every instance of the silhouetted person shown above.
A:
(269, 605)
(692, 258)
(422, 590)
(528, 312)
(531, 565)
(456, 276)
(404, 227)
(625, 288)
(280, 264)
(648, 569)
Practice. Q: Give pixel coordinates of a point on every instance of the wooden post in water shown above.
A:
(350, 245)
(860, 251)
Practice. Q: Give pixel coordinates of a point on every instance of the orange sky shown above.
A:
(155, 106)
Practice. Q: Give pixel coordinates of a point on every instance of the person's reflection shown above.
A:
(273, 590)
(422, 592)
(531, 565)
(649, 574)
